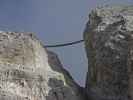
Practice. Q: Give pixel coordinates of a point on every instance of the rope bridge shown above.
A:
(64, 44)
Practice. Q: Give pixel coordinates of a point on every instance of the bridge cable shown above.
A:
(64, 44)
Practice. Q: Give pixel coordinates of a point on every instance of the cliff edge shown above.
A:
(30, 72)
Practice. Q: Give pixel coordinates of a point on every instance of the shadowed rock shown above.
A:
(109, 46)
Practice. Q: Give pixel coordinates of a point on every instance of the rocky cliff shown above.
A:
(109, 45)
(30, 72)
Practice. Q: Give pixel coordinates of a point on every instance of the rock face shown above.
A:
(109, 45)
(30, 72)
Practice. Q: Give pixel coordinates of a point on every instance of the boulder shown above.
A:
(109, 45)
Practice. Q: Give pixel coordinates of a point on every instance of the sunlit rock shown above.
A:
(30, 72)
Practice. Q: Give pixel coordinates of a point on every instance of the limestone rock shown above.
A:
(30, 72)
(109, 45)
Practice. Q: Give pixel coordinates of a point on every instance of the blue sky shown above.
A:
(54, 21)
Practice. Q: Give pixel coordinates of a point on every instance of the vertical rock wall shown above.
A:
(109, 46)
